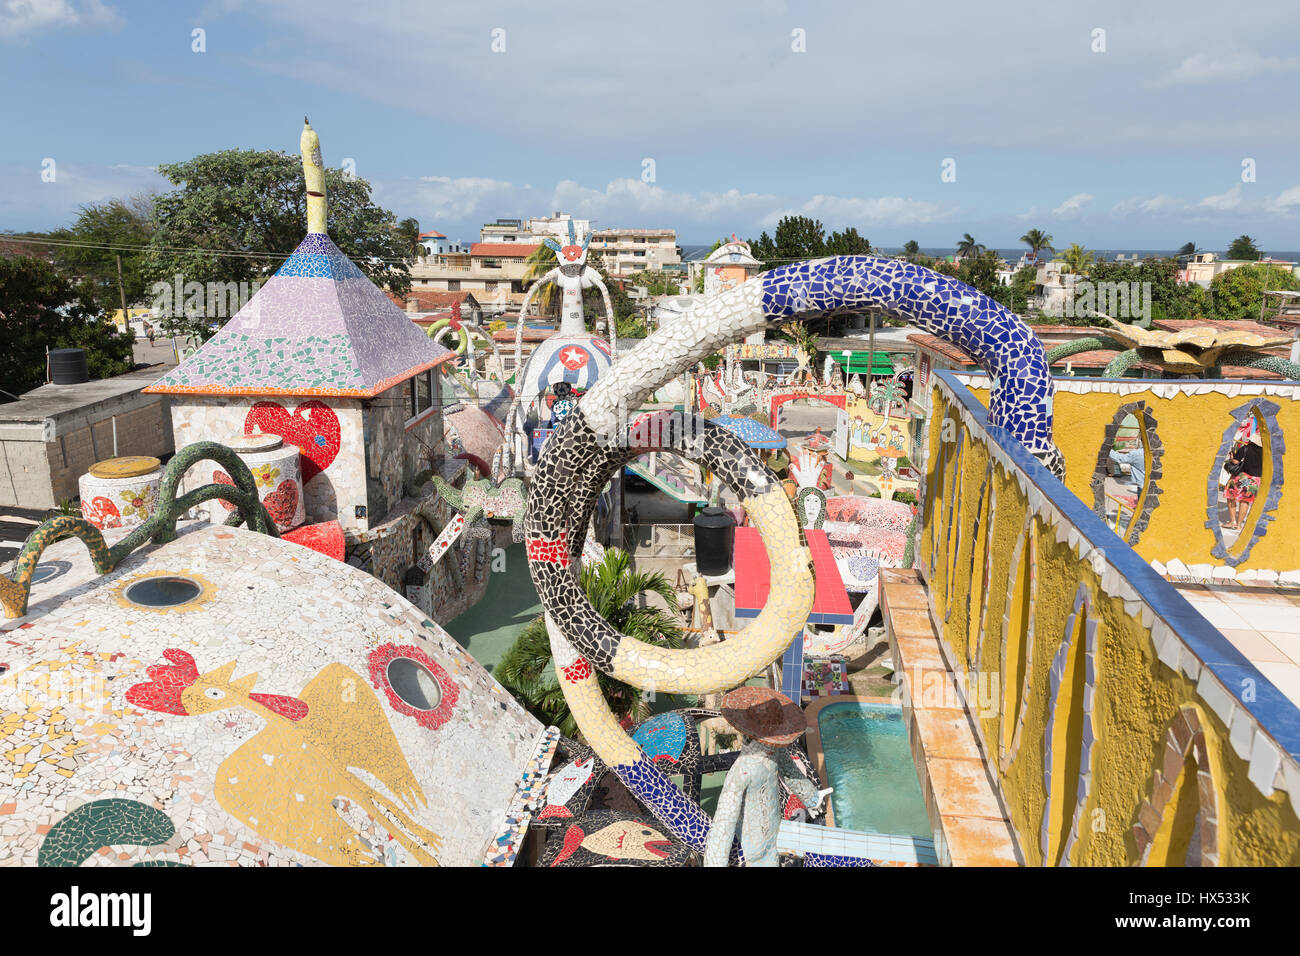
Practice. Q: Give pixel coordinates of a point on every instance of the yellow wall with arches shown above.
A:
(1190, 425)
(1136, 697)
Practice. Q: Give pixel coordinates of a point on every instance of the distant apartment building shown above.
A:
(436, 244)
(492, 271)
(530, 230)
(1204, 266)
(627, 251)
(1053, 286)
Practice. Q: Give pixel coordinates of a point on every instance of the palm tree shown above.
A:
(1037, 240)
(1078, 259)
(526, 669)
(911, 248)
(539, 262)
(968, 247)
(408, 235)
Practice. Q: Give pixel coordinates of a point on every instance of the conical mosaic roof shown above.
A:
(318, 327)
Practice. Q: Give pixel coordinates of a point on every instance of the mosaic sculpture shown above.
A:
(1200, 350)
(571, 355)
(595, 440)
(751, 796)
(160, 526)
(483, 499)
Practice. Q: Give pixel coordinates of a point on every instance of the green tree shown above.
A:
(911, 248)
(981, 271)
(101, 233)
(847, 243)
(628, 321)
(1037, 241)
(527, 669)
(1170, 298)
(40, 309)
(967, 246)
(1237, 293)
(1243, 247)
(237, 214)
(795, 238)
(1078, 259)
(1015, 296)
(763, 248)
(408, 237)
(539, 262)
(1187, 250)
(655, 283)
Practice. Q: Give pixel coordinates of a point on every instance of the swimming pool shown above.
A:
(868, 760)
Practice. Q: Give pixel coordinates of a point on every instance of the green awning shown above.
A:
(881, 363)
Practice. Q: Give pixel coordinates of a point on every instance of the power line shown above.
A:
(280, 256)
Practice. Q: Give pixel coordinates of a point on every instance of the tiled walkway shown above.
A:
(1261, 622)
(969, 826)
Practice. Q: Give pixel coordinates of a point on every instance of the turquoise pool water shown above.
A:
(869, 763)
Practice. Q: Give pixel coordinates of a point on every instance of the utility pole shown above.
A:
(121, 288)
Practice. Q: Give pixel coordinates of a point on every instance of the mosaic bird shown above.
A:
(284, 781)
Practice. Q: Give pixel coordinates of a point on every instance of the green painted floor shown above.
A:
(489, 628)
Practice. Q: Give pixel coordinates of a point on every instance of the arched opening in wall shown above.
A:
(1018, 640)
(936, 496)
(953, 488)
(977, 595)
(1129, 466)
(1245, 484)
(1069, 735)
(1178, 822)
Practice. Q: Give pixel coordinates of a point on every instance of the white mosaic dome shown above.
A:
(232, 698)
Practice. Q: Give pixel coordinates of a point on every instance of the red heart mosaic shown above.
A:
(316, 433)
(283, 502)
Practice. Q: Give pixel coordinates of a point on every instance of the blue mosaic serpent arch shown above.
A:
(596, 438)
(995, 337)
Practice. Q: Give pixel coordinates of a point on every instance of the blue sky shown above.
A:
(1139, 145)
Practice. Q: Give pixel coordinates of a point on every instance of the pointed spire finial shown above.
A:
(313, 170)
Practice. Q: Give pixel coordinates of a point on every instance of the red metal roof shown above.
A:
(753, 578)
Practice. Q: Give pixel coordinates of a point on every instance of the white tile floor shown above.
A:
(1262, 623)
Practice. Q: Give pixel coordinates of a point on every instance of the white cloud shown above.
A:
(29, 202)
(1072, 206)
(1229, 66)
(1286, 200)
(1223, 202)
(1150, 205)
(442, 202)
(19, 17)
(839, 211)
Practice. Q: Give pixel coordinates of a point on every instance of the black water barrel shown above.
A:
(68, 366)
(715, 537)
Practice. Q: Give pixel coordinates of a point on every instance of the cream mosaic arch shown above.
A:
(597, 438)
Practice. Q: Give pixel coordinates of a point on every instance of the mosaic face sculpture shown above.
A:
(595, 440)
(571, 355)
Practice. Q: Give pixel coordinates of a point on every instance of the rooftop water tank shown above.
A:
(715, 537)
(68, 366)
